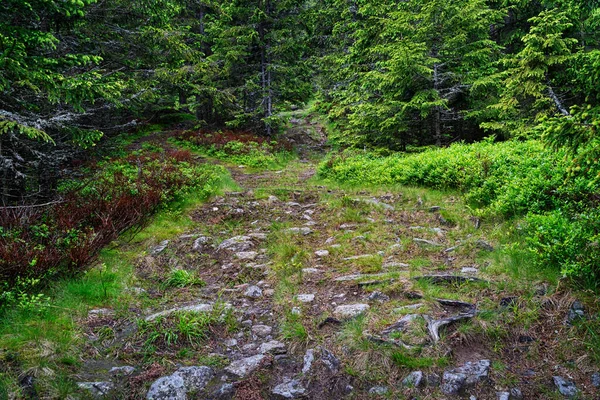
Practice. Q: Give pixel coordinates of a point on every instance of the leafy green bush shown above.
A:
(501, 180)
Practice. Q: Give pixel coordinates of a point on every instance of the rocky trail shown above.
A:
(318, 292)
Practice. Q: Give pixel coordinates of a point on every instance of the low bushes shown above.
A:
(500, 180)
(237, 147)
(37, 242)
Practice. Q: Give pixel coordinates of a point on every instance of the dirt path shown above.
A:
(310, 291)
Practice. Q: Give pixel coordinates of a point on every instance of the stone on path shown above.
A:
(566, 387)
(378, 390)
(309, 358)
(236, 244)
(299, 231)
(482, 244)
(596, 379)
(330, 360)
(195, 378)
(170, 387)
(200, 242)
(262, 330)
(245, 366)
(348, 311)
(414, 379)
(577, 311)
(289, 389)
(253, 292)
(321, 253)
(160, 248)
(306, 298)
(455, 380)
(246, 255)
(272, 347)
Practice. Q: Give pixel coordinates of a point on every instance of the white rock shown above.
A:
(262, 330)
(245, 366)
(306, 298)
(348, 311)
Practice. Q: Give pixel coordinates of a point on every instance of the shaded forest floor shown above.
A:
(286, 286)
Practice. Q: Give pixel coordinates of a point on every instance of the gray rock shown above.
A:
(453, 382)
(414, 379)
(349, 311)
(245, 366)
(262, 330)
(516, 394)
(289, 389)
(306, 298)
(330, 360)
(322, 253)
(309, 358)
(101, 312)
(596, 379)
(170, 387)
(230, 342)
(200, 242)
(253, 292)
(272, 347)
(299, 231)
(348, 226)
(246, 255)
(482, 244)
(566, 387)
(97, 389)
(296, 311)
(195, 378)
(425, 242)
(469, 270)
(468, 374)
(121, 371)
(236, 244)
(432, 380)
(378, 296)
(225, 392)
(378, 390)
(160, 248)
(577, 311)
(310, 271)
(503, 395)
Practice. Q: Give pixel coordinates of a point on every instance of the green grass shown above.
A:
(51, 340)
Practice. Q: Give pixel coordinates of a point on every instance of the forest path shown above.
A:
(309, 290)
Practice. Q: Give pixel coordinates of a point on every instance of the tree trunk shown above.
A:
(438, 111)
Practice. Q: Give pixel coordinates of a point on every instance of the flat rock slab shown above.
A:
(245, 366)
(348, 311)
(322, 253)
(236, 244)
